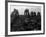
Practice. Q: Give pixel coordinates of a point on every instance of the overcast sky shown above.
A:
(21, 9)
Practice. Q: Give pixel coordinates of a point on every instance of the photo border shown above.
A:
(6, 17)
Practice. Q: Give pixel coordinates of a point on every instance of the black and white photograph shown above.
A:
(25, 18)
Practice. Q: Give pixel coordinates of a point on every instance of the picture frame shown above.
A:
(7, 18)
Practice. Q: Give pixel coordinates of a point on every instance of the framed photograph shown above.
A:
(25, 18)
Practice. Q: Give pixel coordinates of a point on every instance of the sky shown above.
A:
(21, 9)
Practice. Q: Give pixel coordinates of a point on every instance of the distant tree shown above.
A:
(38, 14)
(14, 15)
(15, 12)
(31, 14)
(26, 13)
(34, 14)
(38, 17)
